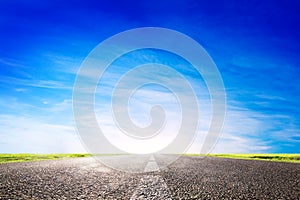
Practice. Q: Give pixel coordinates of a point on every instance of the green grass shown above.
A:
(267, 157)
(6, 158)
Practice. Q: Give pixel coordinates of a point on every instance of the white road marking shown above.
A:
(151, 166)
(96, 167)
(151, 186)
(152, 158)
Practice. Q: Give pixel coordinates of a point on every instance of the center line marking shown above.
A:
(151, 166)
(151, 186)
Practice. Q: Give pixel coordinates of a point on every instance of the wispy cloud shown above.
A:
(25, 134)
(51, 84)
(11, 62)
(258, 62)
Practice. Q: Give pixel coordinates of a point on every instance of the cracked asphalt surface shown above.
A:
(187, 178)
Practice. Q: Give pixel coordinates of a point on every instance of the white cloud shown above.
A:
(20, 90)
(29, 135)
(241, 132)
(11, 62)
(50, 84)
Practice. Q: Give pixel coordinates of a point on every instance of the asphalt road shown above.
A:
(187, 178)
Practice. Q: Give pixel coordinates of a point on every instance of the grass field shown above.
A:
(5, 158)
(268, 157)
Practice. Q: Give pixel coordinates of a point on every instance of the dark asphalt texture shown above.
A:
(187, 178)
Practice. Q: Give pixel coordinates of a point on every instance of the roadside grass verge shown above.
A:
(24, 157)
(295, 158)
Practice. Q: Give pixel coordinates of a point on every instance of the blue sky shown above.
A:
(254, 44)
